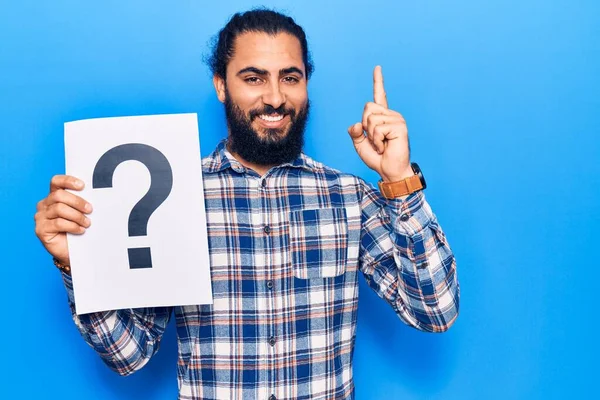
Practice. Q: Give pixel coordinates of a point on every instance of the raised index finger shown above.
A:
(378, 91)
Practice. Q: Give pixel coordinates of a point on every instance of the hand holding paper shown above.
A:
(60, 213)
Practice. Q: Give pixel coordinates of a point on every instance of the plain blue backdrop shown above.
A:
(502, 104)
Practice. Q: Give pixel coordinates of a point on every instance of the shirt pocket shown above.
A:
(318, 242)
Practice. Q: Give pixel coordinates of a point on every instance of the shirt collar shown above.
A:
(222, 159)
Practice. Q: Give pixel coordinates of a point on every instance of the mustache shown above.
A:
(268, 110)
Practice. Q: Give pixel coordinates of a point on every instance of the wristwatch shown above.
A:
(416, 182)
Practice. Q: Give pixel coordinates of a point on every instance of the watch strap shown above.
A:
(391, 190)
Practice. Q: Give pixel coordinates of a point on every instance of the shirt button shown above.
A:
(270, 284)
(272, 341)
(404, 217)
(267, 229)
(264, 183)
(272, 397)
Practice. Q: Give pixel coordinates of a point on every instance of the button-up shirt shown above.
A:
(286, 251)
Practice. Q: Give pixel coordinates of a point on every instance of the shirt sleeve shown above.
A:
(124, 339)
(406, 259)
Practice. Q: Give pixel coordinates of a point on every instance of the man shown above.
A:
(287, 237)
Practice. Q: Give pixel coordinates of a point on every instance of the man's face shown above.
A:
(266, 99)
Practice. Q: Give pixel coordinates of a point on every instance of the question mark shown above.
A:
(161, 182)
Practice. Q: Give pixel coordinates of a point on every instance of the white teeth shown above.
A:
(271, 118)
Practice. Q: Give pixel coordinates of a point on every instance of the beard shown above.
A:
(274, 147)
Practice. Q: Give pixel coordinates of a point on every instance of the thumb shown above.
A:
(356, 133)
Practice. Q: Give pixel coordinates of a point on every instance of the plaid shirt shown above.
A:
(286, 250)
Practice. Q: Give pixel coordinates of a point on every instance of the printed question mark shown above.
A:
(161, 182)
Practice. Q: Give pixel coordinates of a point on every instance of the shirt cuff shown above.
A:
(68, 281)
(411, 215)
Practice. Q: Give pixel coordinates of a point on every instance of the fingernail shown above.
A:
(78, 184)
(88, 207)
(87, 221)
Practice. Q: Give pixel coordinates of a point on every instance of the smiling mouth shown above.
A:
(272, 121)
(271, 118)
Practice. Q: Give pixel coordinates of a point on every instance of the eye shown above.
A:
(253, 80)
(291, 79)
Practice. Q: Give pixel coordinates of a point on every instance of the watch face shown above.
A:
(417, 171)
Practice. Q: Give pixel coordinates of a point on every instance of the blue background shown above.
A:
(502, 104)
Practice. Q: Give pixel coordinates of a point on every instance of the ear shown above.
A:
(219, 84)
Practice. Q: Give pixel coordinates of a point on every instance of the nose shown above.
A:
(273, 95)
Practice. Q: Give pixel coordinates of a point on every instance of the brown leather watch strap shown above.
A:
(391, 190)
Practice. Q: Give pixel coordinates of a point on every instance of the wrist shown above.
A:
(405, 173)
(391, 189)
(63, 267)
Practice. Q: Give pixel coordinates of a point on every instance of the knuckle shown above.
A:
(54, 197)
(58, 209)
(50, 211)
(57, 181)
(58, 224)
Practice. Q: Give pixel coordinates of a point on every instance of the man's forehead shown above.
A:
(267, 51)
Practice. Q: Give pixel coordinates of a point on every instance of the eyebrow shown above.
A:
(264, 72)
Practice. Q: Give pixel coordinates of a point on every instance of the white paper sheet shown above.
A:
(176, 231)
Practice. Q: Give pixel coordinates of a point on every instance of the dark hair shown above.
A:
(256, 20)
